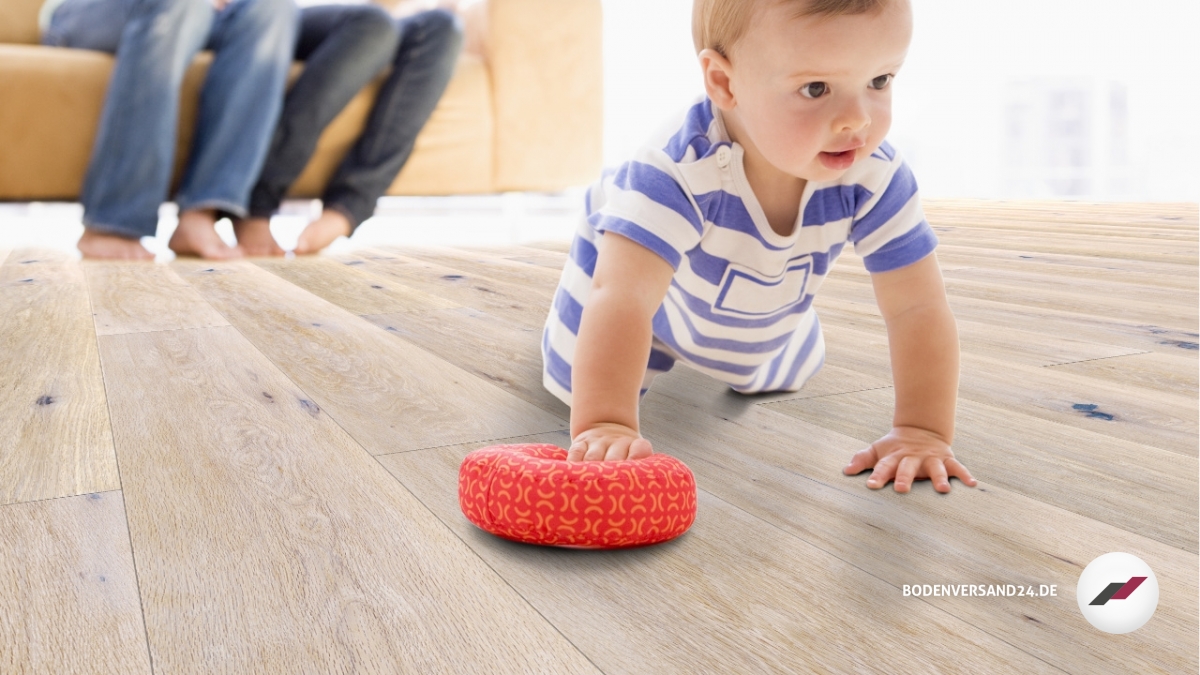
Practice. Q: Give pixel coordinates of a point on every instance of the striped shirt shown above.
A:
(739, 306)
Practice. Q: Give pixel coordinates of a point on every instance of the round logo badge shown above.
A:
(1117, 593)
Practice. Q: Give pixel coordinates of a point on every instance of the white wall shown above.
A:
(970, 64)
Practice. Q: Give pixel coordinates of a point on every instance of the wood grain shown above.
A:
(507, 355)
(1163, 420)
(733, 595)
(1137, 306)
(134, 297)
(1036, 215)
(391, 395)
(1134, 272)
(493, 265)
(268, 541)
(509, 301)
(788, 473)
(68, 594)
(1050, 327)
(55, 440)
(350, 288)
(1171, 373)
(1135, 487)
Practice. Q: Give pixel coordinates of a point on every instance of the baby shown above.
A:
(710, 244)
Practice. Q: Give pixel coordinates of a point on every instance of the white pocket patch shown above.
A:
(747, 292)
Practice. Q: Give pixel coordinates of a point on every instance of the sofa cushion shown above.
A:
(50, 102)
(453, 153)
(19, 21)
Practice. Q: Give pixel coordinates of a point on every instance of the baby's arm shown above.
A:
(613, 348)
(923, 341)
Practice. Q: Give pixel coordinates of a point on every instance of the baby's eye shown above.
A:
(882, 81)
(814, 90)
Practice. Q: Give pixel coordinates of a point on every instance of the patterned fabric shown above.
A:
(530, 493)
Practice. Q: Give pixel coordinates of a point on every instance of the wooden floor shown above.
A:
(250, 467)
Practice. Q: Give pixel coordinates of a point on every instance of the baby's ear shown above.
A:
(717, 70)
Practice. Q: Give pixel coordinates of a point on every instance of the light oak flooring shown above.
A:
(251, 467)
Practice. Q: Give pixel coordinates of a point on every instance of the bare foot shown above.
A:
(322, 231)
(196, 236)
(254, 237)
(103, 246)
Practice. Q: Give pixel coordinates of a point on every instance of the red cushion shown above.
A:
(530, 493)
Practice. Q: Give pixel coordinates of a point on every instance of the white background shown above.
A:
(967, 60)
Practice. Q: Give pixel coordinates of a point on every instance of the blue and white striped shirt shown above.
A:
(739, 306)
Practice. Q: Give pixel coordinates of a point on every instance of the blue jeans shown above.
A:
(344, 48)
(129, 174)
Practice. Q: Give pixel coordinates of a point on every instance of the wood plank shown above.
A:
(1159, 372)
(1177, 252)
(988, 228)
(133, 297)
(788, 473)
(390, 394)
(1176, 313)
(728, 607)
(507, 355)
(1158, 275)
(350, 288)
(56, 440)
(492, 265)
(563, 246)
(1135, 487)
(467, 288)
(268, 541)
(1180, 215)
(1163, 420)
(68, 594)
(1052, 324)
(1009, 343)
(535, 256)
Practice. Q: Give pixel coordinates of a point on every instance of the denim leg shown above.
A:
(132, 158)
(343, 48)
(429, 46)
(252, 41)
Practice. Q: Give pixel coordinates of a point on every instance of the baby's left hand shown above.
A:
(908, 453)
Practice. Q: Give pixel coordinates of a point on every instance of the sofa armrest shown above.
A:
(547, 90)
(50, 100)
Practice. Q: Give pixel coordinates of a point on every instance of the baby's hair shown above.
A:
(719, 24)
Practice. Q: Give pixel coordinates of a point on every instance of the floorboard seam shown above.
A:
(482, 560)
(486, 440)
(797, 537)
(1101, 358)
(121, 482)
(40, 500)
(361, 447)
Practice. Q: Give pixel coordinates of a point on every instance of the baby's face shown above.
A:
(813, 94)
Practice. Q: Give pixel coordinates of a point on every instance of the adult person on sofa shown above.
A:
(344, 47)
(129, 173)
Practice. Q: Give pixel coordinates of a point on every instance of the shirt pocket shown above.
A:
(747, 292)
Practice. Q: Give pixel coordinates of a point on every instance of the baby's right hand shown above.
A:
(608, 442)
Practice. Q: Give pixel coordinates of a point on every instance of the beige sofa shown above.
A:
(523, 111)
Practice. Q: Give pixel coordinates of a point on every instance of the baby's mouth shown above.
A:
(838, 160)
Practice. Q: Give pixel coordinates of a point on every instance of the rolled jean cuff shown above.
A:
(115, 230)
(223, 207)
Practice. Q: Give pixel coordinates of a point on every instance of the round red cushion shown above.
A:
(530, 493)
